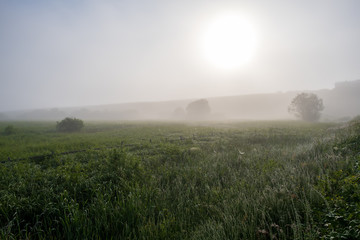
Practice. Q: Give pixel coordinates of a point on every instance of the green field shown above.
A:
(160, 180)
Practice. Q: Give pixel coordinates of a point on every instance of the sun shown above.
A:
(229, 41)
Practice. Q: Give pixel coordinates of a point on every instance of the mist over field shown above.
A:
(181, 120)
(341, 103)
(142, 60)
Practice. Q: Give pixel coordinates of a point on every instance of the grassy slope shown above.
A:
(225, 181)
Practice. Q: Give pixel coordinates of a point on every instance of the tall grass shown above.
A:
(252, 181)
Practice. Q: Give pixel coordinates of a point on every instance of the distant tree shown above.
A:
(179, 113)
(69, 125)
(306, 106)
(9, 130)
(198, 109)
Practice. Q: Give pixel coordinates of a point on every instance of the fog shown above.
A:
(342, 103)
(143, 59)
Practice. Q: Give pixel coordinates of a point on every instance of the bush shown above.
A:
(69, 125)
(9, 130)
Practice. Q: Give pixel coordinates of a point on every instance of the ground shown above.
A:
(158, 180)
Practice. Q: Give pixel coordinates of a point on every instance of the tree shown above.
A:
(306, 106)
(69, 125)
(198, 109)
(179, 113)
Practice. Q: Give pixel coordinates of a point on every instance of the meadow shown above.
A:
(162, 180)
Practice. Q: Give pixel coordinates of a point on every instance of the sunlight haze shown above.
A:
(81, 53)
(229, 41)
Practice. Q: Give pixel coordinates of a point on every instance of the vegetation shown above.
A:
(198, 109)
(179, 113)
(69, 125)
(306, 106)
(249, 180)
(9, 130)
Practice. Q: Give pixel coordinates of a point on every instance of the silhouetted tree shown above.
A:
(198, 109)
(306, 106)
(69, 125)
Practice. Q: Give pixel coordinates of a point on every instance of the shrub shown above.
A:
(9, 130)
(69, 125)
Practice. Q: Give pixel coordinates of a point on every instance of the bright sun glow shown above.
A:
(229, 42)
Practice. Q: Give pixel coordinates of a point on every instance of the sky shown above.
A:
(77, 53)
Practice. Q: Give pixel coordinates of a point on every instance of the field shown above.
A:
(159, 180)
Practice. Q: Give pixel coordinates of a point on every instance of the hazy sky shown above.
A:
(72, 53)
